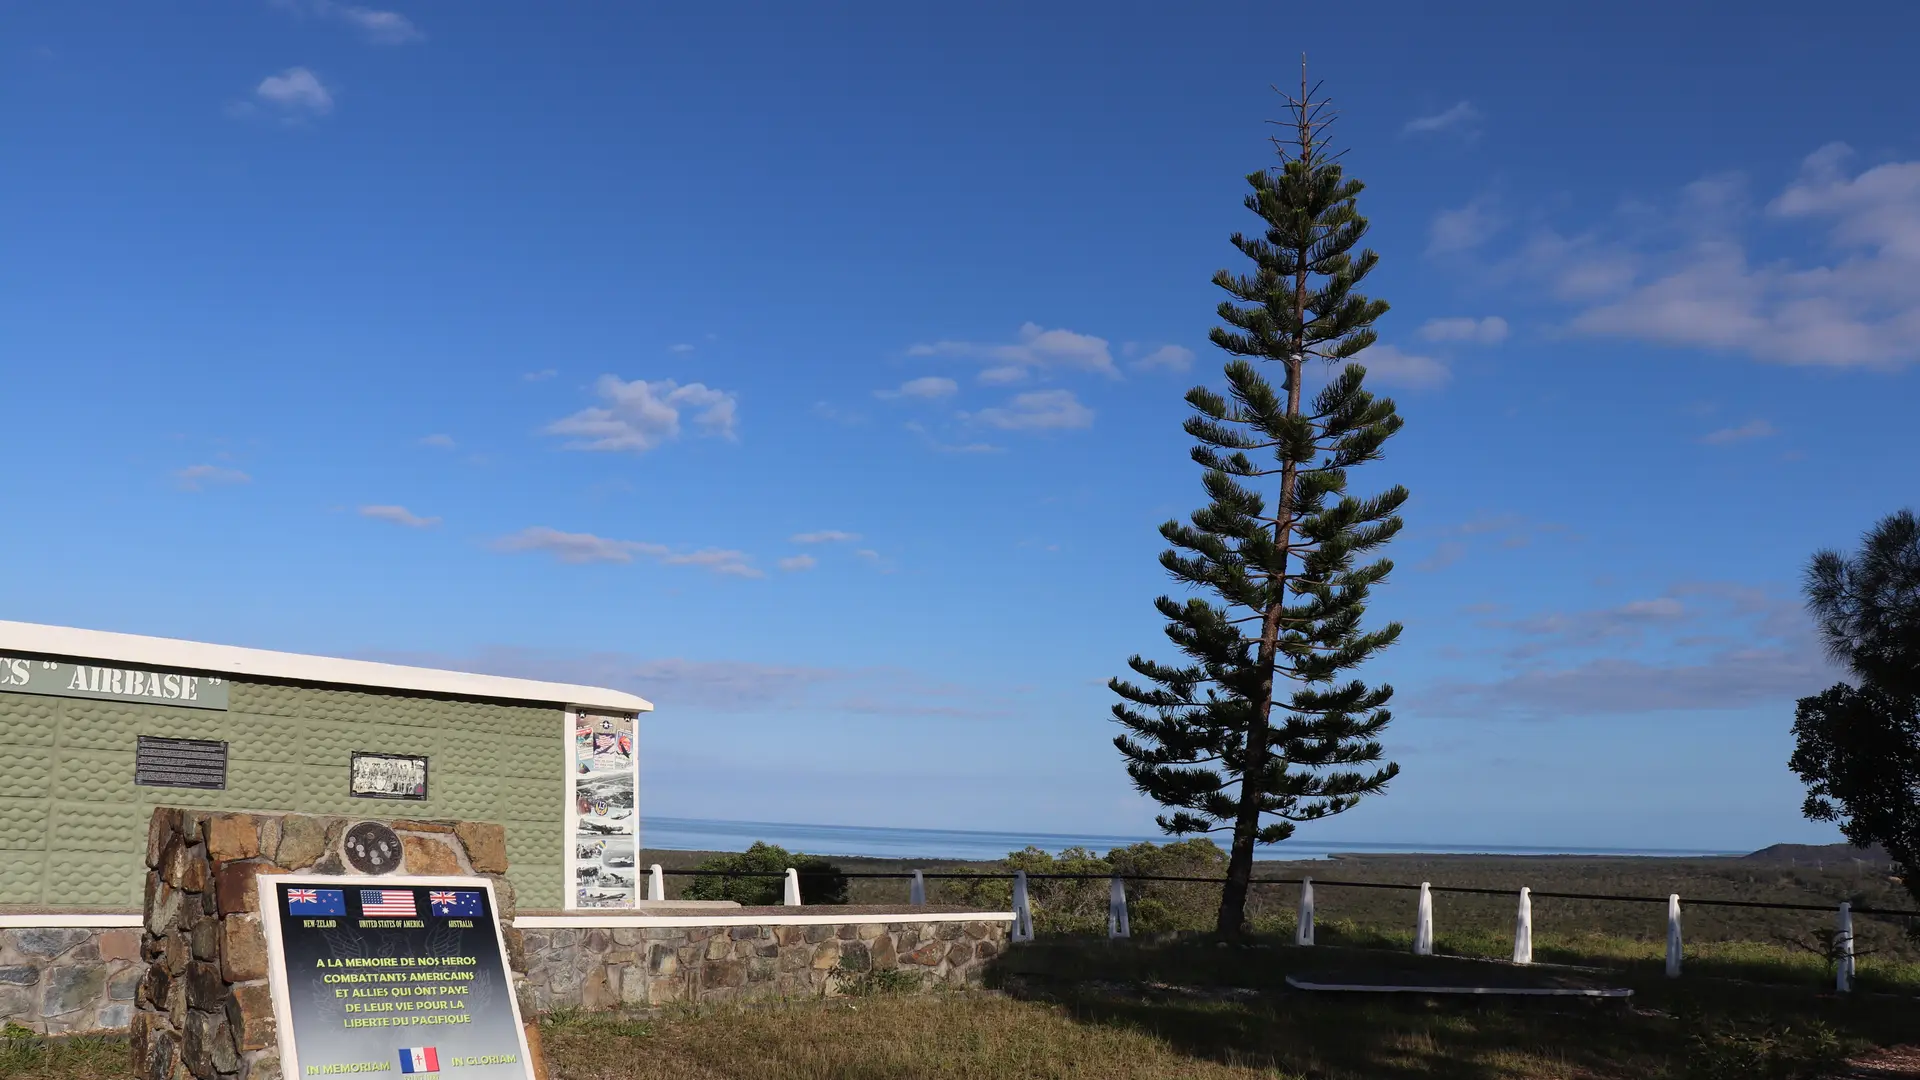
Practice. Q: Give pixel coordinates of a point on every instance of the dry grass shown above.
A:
(24, 1057)
(948, 1037)
(1116, 1035)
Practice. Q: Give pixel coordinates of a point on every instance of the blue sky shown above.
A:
(818, 375)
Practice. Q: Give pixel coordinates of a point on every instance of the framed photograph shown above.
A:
(388, 776)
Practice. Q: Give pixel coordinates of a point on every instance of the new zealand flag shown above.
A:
(316, 902)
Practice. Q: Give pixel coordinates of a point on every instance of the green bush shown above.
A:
(1066, 907)
(821, 882)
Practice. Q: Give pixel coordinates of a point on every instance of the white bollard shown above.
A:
(1843, 942)
(1022, 910)
(1117, 925)
(1523, 929)
(792, 899)
(1423, 922)
(1303, 929)
(1673, 935)
(656, 883)
(917, 893)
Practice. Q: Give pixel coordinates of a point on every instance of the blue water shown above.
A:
(696, 834)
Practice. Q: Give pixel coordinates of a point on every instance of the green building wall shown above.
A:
(73, 823)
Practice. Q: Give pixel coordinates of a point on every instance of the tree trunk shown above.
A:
(1246, 826)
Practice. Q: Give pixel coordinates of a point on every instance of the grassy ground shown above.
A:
(23, 1057)
(1123, 1029)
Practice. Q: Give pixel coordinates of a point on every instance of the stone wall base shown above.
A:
(626, 967)
(69, 980)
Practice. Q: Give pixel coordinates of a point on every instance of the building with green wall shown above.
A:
(98, 728)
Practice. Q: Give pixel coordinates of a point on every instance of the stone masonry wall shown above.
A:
(204, 1009)
(62, 980)
(628, 967)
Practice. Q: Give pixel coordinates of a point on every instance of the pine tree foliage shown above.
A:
(1857, 748)
(1260, 727)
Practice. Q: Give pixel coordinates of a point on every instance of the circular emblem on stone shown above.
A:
(372, 848)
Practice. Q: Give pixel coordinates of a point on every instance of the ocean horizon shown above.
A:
(855, 841)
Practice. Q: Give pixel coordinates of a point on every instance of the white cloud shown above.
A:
(1040, 410)
(868, 554)
(1488, 331)
(828, 411)
(640, 415)
(681, 347)
(1388, 366)
(934, 442)
(1035, 347)
(1752, 429)
(583, 548)
(198, 477)
(1168, 357)
(1463, 228)
(540, 376)
(1461, 116)
(443, 442)
(798, 562)
(1000, 376)
(1857, 307)
(379, 27)
(295, 91)
(398, 515)
(931, 386)
(824, 536)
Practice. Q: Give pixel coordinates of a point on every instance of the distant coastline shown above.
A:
(849, 841)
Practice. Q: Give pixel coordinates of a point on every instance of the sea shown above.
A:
(701, 834)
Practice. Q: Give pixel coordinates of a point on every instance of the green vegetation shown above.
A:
(1091, 1011)
(26, 1056)
(1202, 737)
(1857, 748)
(760, 878)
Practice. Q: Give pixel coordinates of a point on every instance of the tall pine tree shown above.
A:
(1261, 728)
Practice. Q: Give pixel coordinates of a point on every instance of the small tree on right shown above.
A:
(1857, 748)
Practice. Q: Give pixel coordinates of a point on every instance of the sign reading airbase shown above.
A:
(389, 974)
(102, 683)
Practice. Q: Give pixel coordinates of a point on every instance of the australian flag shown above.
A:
(456, 903)
(316, 901)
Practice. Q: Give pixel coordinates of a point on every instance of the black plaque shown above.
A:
(392, 976)
(372, 848)
(183, 763)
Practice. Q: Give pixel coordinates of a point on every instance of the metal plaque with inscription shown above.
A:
(391, 975)
(182, 763)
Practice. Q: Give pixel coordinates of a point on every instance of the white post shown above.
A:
(1303, 929)
(917, 893)
(1843, 969)
(1523, 929)
(792, 899)
(1673, 935)
(1117, 926)
(656, 883)
(1022, 910)
(1423, 922)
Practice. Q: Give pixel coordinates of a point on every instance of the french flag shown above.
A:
(419, 1059)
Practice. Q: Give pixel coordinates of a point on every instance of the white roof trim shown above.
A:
(293, 667)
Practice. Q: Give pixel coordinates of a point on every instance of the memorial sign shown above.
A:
(391, 974)
(190, 690)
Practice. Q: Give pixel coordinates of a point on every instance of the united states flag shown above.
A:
(386, 902)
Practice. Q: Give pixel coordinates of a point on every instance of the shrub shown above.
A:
(756, 877)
